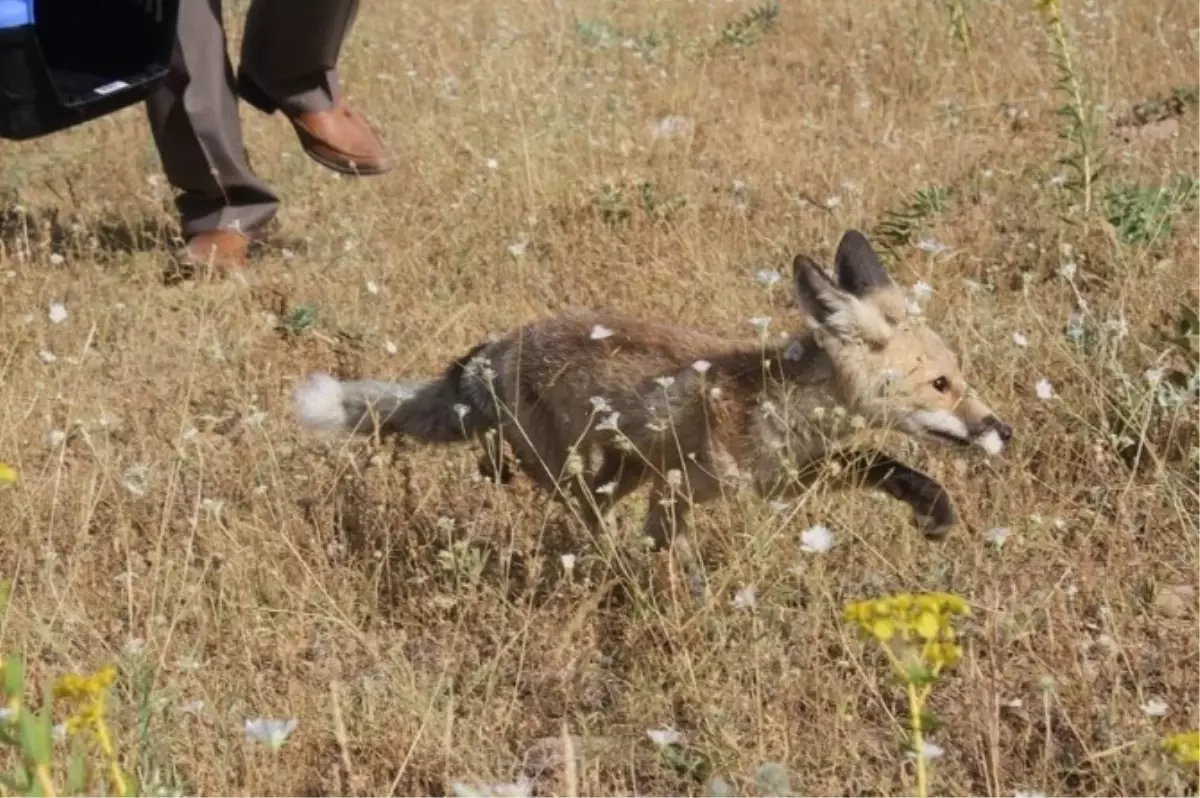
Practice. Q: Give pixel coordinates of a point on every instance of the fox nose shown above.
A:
(1003, 430)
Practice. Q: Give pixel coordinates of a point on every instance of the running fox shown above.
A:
(633, 401)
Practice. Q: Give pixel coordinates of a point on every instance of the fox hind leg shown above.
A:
(619, 475)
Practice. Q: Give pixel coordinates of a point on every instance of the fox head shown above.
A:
(889, 367)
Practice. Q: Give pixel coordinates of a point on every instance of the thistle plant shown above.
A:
(918, 638)
(960, 32)
(1080, 126)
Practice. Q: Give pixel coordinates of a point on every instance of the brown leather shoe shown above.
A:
(221, 250)
(342, 140)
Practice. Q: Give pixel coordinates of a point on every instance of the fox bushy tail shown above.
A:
(452, 408)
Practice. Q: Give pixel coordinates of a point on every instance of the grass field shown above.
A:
(660, 158)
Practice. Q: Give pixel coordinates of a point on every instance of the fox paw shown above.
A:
(937, 523)
(500, 473)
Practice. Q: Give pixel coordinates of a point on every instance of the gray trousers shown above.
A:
(290, 50)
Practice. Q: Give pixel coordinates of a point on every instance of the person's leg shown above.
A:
(290, 51)
(193, 116)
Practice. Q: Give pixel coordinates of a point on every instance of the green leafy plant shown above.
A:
(898, 227)
(1142, 216)
(30, 733)
(1079, 127)
(750, 27)
(300, 319)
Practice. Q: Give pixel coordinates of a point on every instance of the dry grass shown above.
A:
(187, 529)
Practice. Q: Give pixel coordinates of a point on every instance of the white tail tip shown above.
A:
(319, 403)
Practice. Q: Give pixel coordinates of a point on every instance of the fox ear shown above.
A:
(821, 299)
(857, 265)
(834, 311)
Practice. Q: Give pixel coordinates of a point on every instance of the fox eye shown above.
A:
(941, 385)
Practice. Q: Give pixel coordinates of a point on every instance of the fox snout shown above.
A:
(991, 434)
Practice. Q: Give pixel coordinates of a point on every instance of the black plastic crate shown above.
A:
(66, 62)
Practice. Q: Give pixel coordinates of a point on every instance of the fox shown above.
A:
(595, 404)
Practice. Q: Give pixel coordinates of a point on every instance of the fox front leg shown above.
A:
(932, 510)
(496, 463)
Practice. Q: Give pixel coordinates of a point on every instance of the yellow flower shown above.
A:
(74, 686)
(928, 625)
(883, 629)
(916, 630)
(8, 474)
(1184, 746)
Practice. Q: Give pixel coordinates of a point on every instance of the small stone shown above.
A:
(1174, 601)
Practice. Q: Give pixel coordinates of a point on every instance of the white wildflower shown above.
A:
(670, 126)
(492, 164)
(997, 535)
(664, 736)
(931, 245)
(509, 790)
(701, 366)
(1155, 707)
(47, 357)
(816, 539)
(461, 410)
(600, 332)
(600, 404)
(271, 732)
(607, 488)
(58, 313)
(135, 479)
(767, 277)
(931, 750)
(746, 598)
(55, 438)
(1020, 340)
(568, 562)
(1044, 389)
(921, 291)
(665, 381)
(610, 422)
(516, 249)
(760, 322)
(372, 288)
(390, 347)
(56, 259)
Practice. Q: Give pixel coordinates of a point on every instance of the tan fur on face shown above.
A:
(888, 373)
